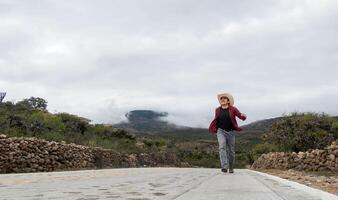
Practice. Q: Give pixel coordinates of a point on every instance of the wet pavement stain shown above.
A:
(159, 194)
(72, 192)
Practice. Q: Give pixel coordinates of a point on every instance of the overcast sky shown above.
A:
(101, 59)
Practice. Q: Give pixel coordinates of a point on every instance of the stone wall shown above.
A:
(311, 160)
(37, 155)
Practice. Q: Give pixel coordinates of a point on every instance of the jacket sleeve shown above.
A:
(213, 124)
(239, 115)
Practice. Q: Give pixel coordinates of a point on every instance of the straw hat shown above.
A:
(228, 95)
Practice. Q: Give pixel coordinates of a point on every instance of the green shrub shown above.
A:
(303, 131)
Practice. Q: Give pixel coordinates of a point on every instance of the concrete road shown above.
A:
(155, 183)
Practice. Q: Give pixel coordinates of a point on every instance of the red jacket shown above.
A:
(233, 112)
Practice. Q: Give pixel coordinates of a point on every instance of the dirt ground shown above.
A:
(324, 180)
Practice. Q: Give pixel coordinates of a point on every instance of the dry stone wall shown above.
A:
(37, 155)
(311, 160)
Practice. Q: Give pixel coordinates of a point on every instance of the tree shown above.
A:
(34, 103)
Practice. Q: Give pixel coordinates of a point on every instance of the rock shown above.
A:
(3, 136)
(332, 157)
(335, 152)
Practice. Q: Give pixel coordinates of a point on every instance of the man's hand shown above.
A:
(243, 114)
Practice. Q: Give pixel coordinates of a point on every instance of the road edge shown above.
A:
(313, 191)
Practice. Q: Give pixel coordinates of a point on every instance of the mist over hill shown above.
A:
(147, 121)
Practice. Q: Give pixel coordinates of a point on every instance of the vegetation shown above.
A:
(303, 131)
(295, 132)
(30, 118)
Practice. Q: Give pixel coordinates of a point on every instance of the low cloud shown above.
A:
(103, 59)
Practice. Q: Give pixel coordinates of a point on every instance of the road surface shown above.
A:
(155, 183)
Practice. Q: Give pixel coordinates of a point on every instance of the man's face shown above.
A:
(224, 100)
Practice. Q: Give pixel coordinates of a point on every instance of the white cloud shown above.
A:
(102, 59)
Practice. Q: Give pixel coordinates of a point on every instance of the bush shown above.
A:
(303, 131)
(260, 149)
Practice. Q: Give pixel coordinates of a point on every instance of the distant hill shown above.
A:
(150, 122)
(256, 129)
(147, 122)
(252, 133)
(154, 123)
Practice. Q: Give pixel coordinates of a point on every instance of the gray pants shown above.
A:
(226, 141)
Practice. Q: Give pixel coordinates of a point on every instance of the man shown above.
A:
(224, 125)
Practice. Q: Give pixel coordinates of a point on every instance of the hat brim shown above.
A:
(229, 96)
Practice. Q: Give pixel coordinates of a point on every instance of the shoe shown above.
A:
(224, 170)
(231, 170)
